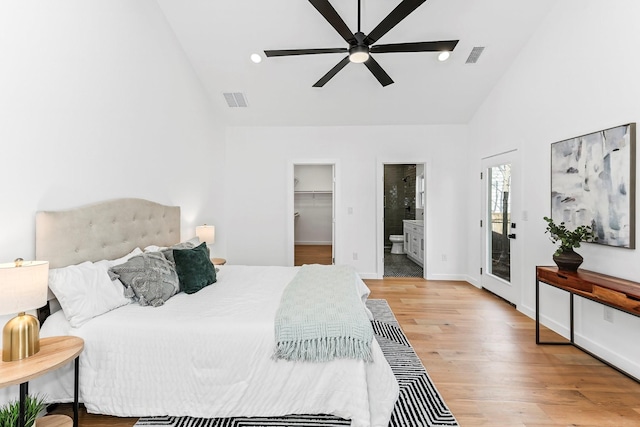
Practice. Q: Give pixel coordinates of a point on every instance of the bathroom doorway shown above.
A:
(403, 205)
(314, 213)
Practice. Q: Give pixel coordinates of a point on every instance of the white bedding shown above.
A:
(209, 355)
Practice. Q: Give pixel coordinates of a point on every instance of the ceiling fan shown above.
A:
(361, 46)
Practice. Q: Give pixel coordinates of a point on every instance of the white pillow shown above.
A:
(86, 290)
(113, 262)
(154, 248)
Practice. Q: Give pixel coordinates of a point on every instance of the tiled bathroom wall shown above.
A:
(400, 198)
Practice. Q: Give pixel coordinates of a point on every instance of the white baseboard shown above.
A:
(527, 311)
(448, 277)
(605, 353)
(554, 325)
(312, 243)
(443, 277)
(616, 359)
(473, 281)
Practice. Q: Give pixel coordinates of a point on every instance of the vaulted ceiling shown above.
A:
(218, 38)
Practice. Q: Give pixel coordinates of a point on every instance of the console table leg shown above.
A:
(537, 311)
(571, 315)
(538, 317)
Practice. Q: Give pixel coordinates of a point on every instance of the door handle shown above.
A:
(511, 236)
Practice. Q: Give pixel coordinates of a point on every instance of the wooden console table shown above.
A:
(620, 294)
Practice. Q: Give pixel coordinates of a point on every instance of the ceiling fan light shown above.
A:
(443, 56)
(358, 54)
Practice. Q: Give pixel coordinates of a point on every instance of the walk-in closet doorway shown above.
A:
(313, 217)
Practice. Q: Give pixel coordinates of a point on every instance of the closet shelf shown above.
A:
(313, 191)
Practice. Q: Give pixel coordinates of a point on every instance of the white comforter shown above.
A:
(209, 355)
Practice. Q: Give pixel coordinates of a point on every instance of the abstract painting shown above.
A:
(593, 183)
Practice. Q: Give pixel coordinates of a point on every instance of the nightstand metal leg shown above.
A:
(75, 391)
(24, 390)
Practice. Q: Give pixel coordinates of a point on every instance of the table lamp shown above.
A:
(206, 233)
(23, 286)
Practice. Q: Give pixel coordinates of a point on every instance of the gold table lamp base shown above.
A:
(20, 338)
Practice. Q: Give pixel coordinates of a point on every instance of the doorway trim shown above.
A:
(290, 220)
(380, 162)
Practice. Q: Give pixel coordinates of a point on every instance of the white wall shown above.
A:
(312, 225)
(98, 101)
(257, 213)
(313, 177)
(577, 75)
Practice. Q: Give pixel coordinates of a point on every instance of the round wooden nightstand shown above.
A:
(218, 261)
(54, 353)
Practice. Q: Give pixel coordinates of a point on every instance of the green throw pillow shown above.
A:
(195, 270)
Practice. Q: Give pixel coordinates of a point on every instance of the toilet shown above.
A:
(397, 243)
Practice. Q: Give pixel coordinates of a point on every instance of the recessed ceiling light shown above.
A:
(256, 58)
(443, 56)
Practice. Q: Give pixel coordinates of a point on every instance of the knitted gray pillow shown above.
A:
(189, 244)
(148, 277)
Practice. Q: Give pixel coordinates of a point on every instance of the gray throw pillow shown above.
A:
(148, 277)
(189, 244)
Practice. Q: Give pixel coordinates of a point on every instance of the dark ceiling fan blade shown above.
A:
(330, 14)
(377, 71)
(290, 52)
(396, 15)
(440, 46)
(332, 72)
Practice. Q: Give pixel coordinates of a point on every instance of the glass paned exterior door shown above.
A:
(499, 218)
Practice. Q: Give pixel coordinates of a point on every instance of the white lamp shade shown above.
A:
(23, 288)
(206, 233)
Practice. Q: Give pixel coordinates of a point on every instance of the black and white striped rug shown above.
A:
(419, 403)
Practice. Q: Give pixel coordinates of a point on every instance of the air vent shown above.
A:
(475, 54)
(235, 99)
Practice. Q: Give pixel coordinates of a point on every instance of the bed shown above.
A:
(208, 354)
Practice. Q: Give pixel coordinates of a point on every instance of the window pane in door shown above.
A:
(500, 218)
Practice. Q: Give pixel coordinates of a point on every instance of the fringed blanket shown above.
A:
(321, 317)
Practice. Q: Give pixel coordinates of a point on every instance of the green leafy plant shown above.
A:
(568, 239)
(10, 413)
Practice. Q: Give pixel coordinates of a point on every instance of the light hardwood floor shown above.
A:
(481, 354)
(312, 254)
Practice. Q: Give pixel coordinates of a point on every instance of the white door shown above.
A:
(500, 190)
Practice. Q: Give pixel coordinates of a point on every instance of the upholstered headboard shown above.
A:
(104, 230)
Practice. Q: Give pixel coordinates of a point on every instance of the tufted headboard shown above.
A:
(104, 230)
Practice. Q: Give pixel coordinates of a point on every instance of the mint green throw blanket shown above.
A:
(321, 317)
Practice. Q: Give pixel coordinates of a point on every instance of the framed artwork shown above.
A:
(593, 183)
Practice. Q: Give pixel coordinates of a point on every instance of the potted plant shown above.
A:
(565, 257)
(9, 413)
